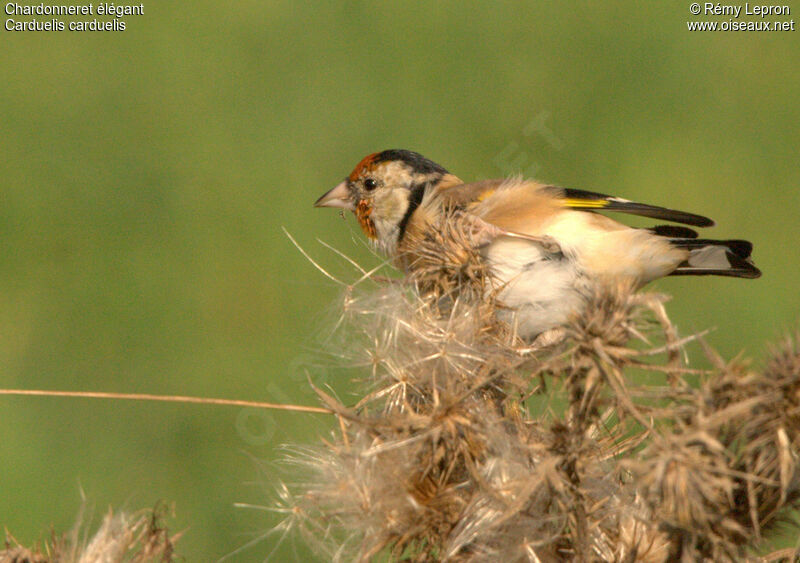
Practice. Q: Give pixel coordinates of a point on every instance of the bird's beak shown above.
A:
(337, 197)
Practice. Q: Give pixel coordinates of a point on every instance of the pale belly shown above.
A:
(540, 289)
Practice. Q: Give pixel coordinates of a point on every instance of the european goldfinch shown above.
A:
(545, 245)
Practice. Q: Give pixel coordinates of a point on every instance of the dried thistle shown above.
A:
(447, 260)
(470, 444)
(134, 538)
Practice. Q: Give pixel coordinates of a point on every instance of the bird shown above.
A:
(546, 245)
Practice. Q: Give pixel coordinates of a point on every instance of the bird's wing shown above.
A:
(581, 199)
(489, 208)
(455, 193)
(499, 200)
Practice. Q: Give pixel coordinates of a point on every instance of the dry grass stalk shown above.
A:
(444, 458)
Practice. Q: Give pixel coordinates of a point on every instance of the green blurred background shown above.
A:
(147, 174)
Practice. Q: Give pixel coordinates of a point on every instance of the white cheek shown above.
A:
(391, 204)
(389, 208)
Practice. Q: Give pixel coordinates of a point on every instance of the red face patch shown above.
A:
(366, 164)
(363, 211)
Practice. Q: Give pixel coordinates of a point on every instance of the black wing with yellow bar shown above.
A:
(580, 199)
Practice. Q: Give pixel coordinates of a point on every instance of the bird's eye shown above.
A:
(370, 184)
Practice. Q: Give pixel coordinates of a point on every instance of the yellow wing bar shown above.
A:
(586, 203)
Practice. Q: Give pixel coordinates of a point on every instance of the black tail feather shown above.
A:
(673, 231)
(741, 248)
(716, 257)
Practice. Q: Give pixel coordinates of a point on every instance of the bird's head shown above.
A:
(383, 191)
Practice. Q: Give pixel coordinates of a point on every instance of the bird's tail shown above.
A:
(716, 257)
